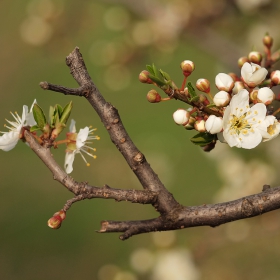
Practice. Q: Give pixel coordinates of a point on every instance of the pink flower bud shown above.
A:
(214, 124)
(61, 214)
(221, 98)
(203, 85)
(181, 116)
(242, 60)
(265, 95)
(224, 82)
(153, 96)
(275, 77)
(268, 41)
(144, 77)
(255, 57)
(55, 222)
(200, 126)
(188, 67)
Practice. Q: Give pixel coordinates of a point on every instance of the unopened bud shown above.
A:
(255, 57)
(203, 99)
(153, 96)
(144, 77)
(214, 124)
(55, 222)
(190, 124)
(187, 67)
(275, 77)
(237, 87)
(221, 98)
(254, 95)
(265, 96)
(203, 85)
(234, 76)
(61, 214)
(200, 126)
(242, 60)
(224, 82)
(268, 41)
(181, 116)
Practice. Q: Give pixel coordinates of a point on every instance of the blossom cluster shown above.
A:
(239, 114)
(34, 120)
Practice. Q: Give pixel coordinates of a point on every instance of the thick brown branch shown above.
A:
(119, 136)
(206, 215)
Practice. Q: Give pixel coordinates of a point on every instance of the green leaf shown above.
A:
(157, 72)
(157, 80)
(51, 116)
(165, 75)
(34, 128)
(66, 112)
(203, 138)
(191, 90)
(59, 110)
(39, 116)
(150, 69)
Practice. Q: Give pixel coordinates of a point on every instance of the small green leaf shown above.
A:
(203, 138)
(66, 112)
(59, 110)
(150, 69)
(39, 116)
(34, 128)
(157, 72)
(157, 80)
(191, 90)
(165, 75)
(51, 116)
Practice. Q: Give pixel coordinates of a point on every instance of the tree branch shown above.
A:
(173, 216)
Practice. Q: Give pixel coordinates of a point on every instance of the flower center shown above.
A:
(239, 125)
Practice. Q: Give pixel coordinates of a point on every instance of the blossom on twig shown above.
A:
(10, 138)
(78, 143)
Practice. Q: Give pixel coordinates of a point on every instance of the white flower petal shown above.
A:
(72, 127)
(82, 137)
(9, 140)
(68, 163)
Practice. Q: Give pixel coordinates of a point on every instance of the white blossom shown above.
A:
(253, 74)
(270, 128)
(78, 144)
(214, 124)
(224, 82)
(243, 125)
(10, 138)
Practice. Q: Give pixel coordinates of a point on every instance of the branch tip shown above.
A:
(44, 85)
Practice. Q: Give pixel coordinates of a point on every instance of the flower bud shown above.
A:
(242, 60)
(55, 222)
(200, 126)
(190, 124)
(237, 87)
(203, 99)
(265, 95)
(234, 76)
(255, 57)
(61, 214)
(203, 85)
(275, 77)
(153, 96)
(221, 98)
(188, 67)
(224, 82)
(268, 41)
(181, 116)
(214, 124)
(254, 95)
(144, 77)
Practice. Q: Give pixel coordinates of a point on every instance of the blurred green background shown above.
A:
(117, 39)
